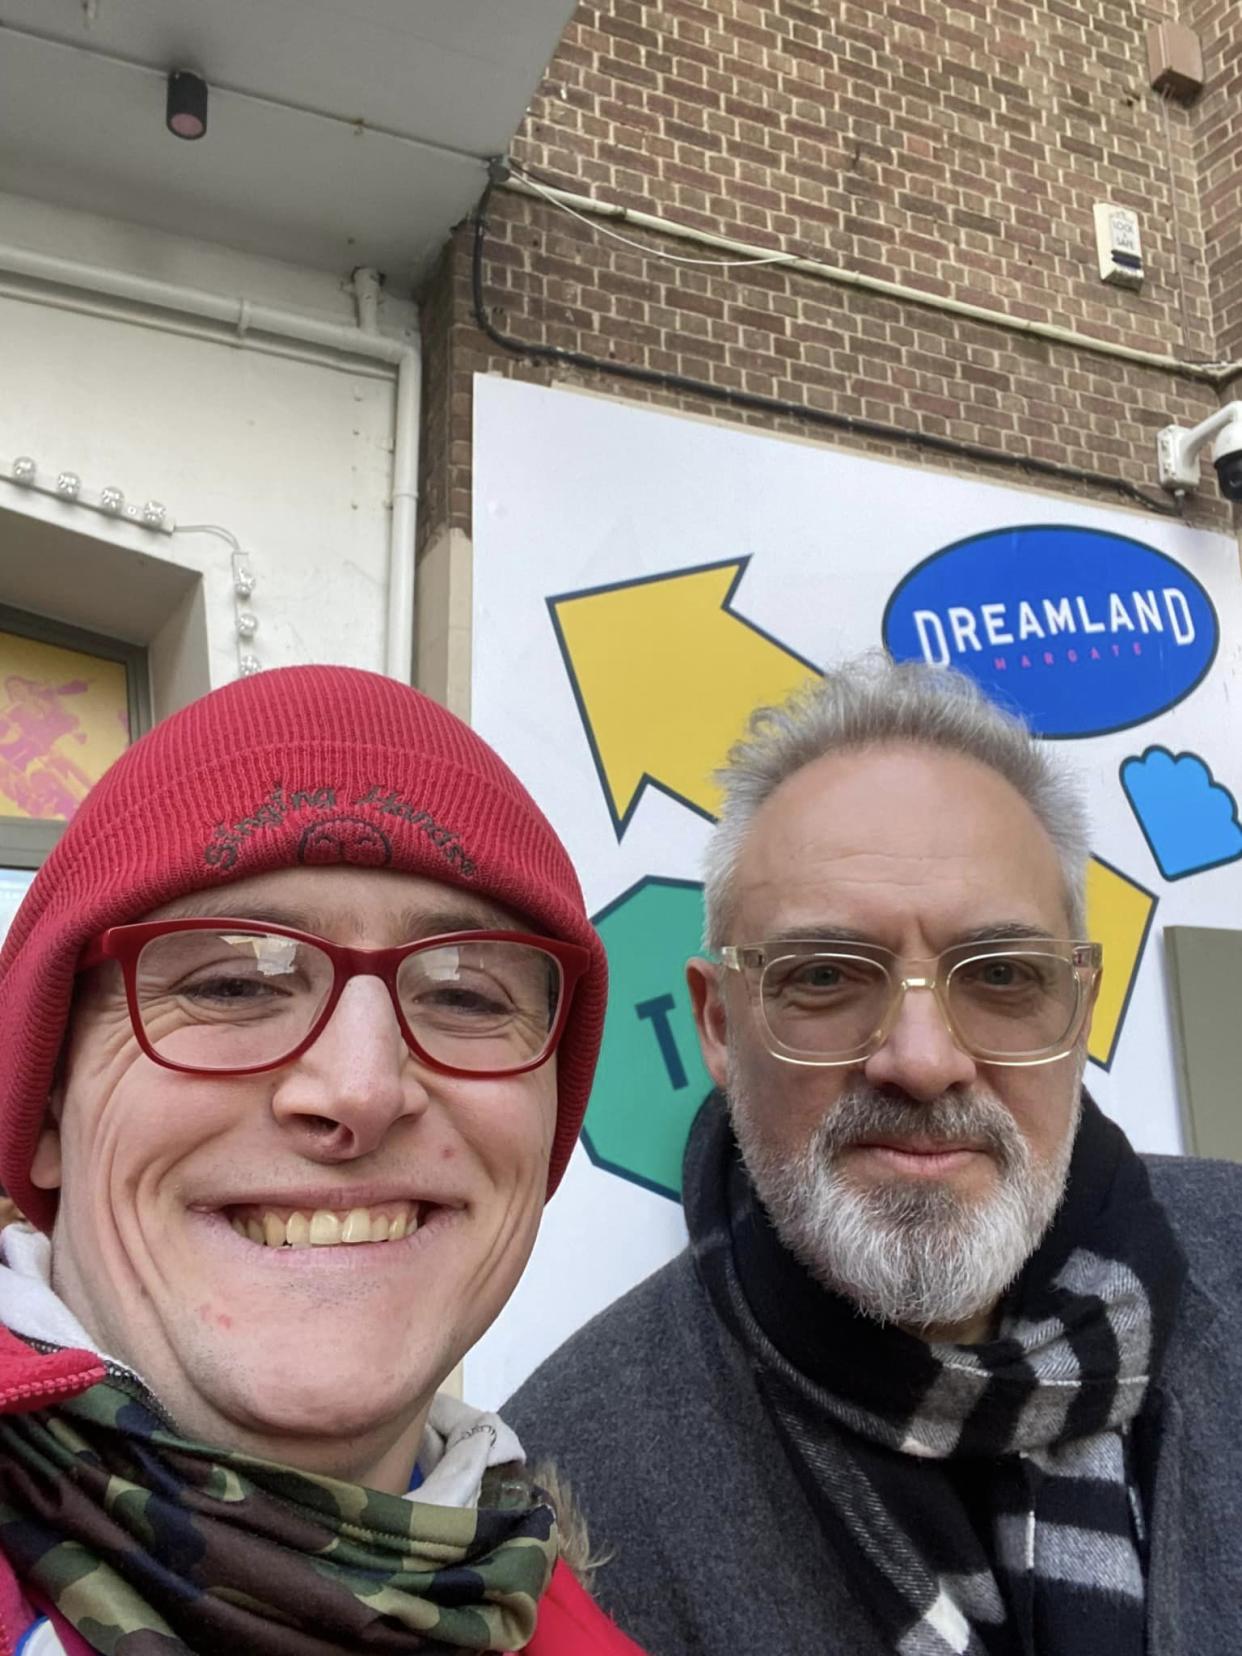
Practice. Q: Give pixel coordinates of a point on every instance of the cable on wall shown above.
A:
(153, 516)
(245, 621)
(551, 197)
(753, 400)
(519, 181)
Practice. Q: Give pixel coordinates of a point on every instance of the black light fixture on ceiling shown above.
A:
(186, 115)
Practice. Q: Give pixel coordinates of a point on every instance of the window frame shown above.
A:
(24, 841)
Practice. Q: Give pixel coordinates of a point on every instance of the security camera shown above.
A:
(1177, 452)
(1229, 465)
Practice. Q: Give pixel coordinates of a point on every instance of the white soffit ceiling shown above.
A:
(340, 132)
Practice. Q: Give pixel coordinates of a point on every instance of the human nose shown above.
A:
(919, 1054)
(341, 1097)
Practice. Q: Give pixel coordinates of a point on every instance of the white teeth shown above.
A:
(357, 1226)
(327, 1228)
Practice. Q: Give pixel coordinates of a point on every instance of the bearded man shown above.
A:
(947, 1367)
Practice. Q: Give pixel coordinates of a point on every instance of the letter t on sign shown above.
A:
(658, 1009)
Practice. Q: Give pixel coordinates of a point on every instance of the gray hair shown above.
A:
(873, 702)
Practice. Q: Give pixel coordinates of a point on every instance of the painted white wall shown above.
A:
(289, 450)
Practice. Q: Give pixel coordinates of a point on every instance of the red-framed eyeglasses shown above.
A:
(235, 997)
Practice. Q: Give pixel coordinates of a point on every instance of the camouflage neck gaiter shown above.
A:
(151, 1545)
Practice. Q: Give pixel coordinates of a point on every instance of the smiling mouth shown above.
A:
(284, 1227)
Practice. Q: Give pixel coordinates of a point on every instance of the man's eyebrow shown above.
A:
(479, 917)
(412, 923)
(998, 931)
(210, 905)
(821, 934)
(1007, 931)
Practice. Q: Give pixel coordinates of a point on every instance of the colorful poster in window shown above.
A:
(64, 717)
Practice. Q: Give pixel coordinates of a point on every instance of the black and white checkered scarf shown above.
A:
(988, 1499)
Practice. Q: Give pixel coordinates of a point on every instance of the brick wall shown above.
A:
(1218, 158)
(957, 149)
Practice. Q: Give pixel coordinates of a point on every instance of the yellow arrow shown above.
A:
(1119, 912)
(666, 676)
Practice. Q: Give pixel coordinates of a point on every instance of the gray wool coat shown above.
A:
(652, 1415)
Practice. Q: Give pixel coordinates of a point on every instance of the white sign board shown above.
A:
(643, 579)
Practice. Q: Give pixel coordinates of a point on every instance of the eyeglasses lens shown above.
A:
(824, 1005)
(1014, 1005)
(831, 1004)
(483, 1006)
(228, 1000)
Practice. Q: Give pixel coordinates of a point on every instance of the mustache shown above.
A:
(866, 1112)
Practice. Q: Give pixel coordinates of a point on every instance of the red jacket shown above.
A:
(570, 1622)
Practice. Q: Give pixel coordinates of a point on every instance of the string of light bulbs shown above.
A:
(152, 515)
(245, 621)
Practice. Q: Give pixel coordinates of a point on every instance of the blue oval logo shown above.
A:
(1079, 631)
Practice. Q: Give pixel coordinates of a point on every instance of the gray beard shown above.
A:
(919, 1256)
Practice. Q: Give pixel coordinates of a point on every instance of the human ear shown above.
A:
(45, 1166)
(703, 979)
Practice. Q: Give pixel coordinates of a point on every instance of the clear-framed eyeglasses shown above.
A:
(232, 997)
(1004, 1002)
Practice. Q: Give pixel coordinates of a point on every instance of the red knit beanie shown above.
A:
(309, 765)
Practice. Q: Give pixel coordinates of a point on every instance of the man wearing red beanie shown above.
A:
(297, 1027)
